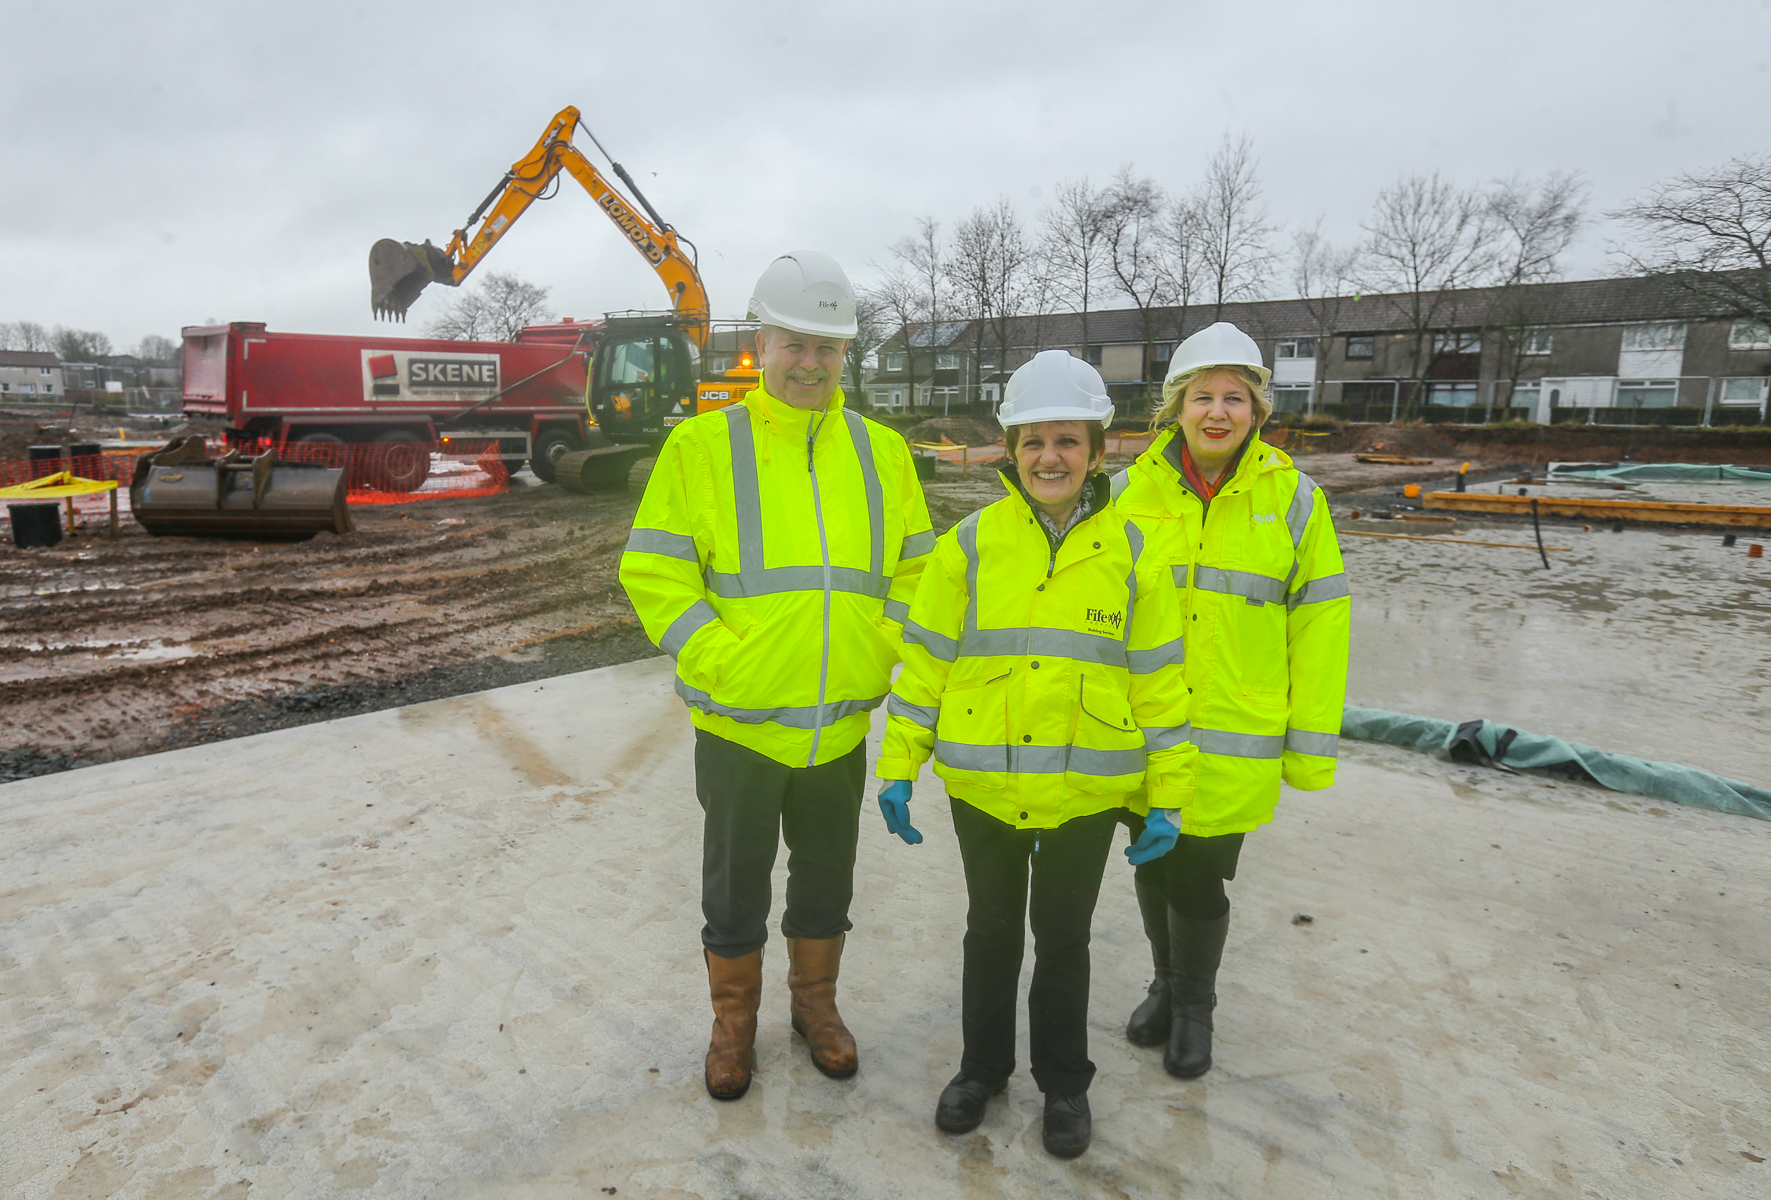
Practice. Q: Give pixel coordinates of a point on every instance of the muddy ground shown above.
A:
(110, 649)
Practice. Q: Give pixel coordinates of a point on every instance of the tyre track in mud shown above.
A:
(115, 648)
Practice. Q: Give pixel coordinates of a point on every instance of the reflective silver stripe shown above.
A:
(1135, 536)
(775, 580)
(746, 495)
(1163, 737)
(1039, 760)
(798, 716)
(1169, 654)
(1239, 745)
(968, 545)
(870, 483)
(1118, 483)
(924, 715)
(686, 626)
(938, 645)
(1179, 571)
(1329, 587)
(916, 544)
(897, 610)
(1303, 503)
(1302, 741)
(1246, 584)
(662, 541)
(1064, 643)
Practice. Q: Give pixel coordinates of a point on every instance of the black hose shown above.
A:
(1538, 529)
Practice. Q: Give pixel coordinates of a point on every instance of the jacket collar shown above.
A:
(1257, 459)
(1097, 491)
(782, 417)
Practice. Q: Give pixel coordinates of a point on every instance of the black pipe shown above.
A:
(1538, 529)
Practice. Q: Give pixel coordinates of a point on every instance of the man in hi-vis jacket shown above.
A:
(774, 556)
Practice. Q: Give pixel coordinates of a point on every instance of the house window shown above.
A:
(44, 370)
(1291, 398)
(25, 389)
(1094, 355)
(1296, 348)
(1360, 345)
(1538, 341)
(1451, 395)
(49, 389)
(1750, 335)
(946, 362)
(1743, 391)
(1657, 335)
(5, 387)
(894, 362)
(1164, 351)
(1647, 393)
(1458, 341)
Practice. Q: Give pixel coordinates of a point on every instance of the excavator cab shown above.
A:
(643, 379)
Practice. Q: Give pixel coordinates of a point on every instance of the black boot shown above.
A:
(962, 1103)
(1067, 1126)
(1149, 1024)
(1196, 948)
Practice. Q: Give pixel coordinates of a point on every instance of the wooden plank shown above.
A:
(1657, 511)
(1455, 541)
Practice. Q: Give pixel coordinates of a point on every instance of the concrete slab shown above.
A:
(450, 951)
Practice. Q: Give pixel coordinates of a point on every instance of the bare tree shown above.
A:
(1426, 241)
(80, 345)
(873, 324)
(899, 298)
(1535, 223)
(1710, 233)
(1138, 249)
(1323, 276)
(161, 351)
(989, 271)
(919, 284)
(496, 311)
(1074, 246)
(1233, 232)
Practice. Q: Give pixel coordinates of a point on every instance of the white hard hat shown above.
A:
(806, 291)
(1054, 385)
(1220, 345)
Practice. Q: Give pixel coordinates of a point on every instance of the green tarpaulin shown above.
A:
(1485, 742)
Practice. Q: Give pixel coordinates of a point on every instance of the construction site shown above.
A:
(350, 842)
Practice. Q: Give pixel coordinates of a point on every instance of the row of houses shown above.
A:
(1606, 346)
(124, 382)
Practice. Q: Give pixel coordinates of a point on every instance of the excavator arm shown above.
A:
(399, 271)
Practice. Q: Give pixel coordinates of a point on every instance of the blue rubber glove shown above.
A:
(1158, 839)
(894, 804)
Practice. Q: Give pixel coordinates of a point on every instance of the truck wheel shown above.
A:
(545, 457)
(401, 462)
(327, 449)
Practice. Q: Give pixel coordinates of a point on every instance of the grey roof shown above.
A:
(1577, 302)
(28, 358)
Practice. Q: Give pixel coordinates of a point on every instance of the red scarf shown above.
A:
(1196, 481)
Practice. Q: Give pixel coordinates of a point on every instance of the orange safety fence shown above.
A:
(380, 472)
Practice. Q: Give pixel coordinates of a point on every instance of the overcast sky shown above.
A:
(173, 162)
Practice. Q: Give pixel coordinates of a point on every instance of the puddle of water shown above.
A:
(130, 650)
(1643, 642)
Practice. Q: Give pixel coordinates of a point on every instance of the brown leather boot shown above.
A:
(811, 976)
(737, 988)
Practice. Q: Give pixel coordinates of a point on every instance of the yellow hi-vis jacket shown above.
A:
(1266, 607)
(1047, 686)
(774, 556)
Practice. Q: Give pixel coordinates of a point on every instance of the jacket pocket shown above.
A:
(971, 735)
(1106, 753)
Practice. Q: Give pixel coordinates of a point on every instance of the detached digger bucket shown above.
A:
(181, 492)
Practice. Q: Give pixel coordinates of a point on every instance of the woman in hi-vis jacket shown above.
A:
(1265, 605)
(1042, 670)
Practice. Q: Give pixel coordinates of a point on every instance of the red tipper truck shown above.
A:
(529, 395)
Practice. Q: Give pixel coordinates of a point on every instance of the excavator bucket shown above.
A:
(182, 492)
(398, 271)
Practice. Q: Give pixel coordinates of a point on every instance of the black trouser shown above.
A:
(752, 804)
(1065, 864)
(1192, 875)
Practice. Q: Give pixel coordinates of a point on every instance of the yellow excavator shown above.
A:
(646, 368)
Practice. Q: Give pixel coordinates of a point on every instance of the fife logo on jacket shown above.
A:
(1104, 621)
